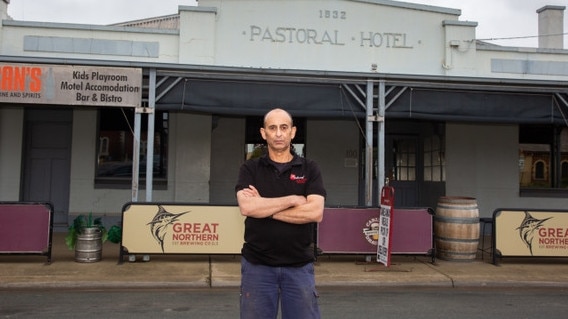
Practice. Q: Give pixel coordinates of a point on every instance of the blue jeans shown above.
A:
(264, 287)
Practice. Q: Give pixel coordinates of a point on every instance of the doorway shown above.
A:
(402, 165)
(47, 160)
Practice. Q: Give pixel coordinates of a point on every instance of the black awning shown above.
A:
(478, 106)
(249, 98)
(331, 100)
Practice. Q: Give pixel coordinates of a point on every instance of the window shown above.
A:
(543, 160)
(434, 160)
(103, 146)
(564, 174)
(255, 146)
(115, 150)
(404, 167)
(538, 171)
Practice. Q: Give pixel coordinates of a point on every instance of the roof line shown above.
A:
(89, 27)
(314, 75)
(414, 6)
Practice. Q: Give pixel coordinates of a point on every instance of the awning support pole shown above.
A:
(150, 135)
(136, 156)
(369, 146)
(381, 138)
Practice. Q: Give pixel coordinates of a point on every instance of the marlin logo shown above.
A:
(160, 222)
(528, 228)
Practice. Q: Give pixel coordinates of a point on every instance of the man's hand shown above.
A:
(250, 191)
(252, 204)
(309, 212)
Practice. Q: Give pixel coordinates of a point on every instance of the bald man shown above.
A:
(282, 196)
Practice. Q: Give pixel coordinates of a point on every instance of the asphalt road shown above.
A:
(340, 303)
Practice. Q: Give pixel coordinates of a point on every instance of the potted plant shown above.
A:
(86, 236)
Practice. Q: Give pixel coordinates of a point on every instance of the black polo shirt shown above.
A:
(272, 242)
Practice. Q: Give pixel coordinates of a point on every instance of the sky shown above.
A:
(513, 22)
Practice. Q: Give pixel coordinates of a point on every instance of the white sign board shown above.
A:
(70, 85)
(383, 249)
(385, 226)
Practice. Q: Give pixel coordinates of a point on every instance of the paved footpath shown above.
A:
(184, 271)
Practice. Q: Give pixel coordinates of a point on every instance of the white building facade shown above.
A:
(380, 89)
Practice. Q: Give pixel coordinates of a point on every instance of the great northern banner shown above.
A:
(182, 229)
(531, 233)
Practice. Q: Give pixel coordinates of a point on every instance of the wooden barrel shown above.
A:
(89, 245)
(456, 228)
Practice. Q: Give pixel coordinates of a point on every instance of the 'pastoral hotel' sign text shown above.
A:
(301, 35)
(70, 85)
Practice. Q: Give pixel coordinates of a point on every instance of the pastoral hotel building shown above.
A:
(379, 89)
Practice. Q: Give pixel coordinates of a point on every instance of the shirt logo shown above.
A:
(298, 179)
